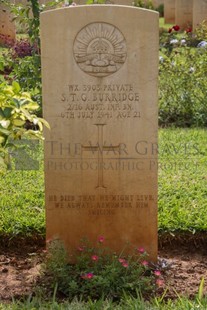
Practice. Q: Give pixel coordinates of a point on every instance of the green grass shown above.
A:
(182, 189)
(183, 180)
(163, 25)
(22, 200)
(128, 303)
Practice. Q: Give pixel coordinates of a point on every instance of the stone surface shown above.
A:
(184, 13)
(120, 2)
(7, 26)
(100, 98)
(169, 11)
(156, 3)
(199, 12)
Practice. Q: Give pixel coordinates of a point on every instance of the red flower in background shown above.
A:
(188, 30)
(176, 28)
(141, 250)
(101, 239)
(94, 258)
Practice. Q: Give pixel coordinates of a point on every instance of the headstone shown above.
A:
(99, 75)
(120, 2)
(7, 26)
(184, 13)
(199, 12)
(169, 11)
(155, 3)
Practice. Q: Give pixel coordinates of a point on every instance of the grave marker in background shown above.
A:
(7, 26)
(169, 11)
(100, 97)
(199, 12)
(184, 13)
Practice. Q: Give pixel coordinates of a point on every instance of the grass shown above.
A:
(128, 303)
(183, 180)
(182, 188)
(163, 25)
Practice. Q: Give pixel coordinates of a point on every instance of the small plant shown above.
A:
(16, 112)
(144, 4)
(100, 273)
(23, 48)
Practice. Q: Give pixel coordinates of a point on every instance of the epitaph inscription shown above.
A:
(100, 49)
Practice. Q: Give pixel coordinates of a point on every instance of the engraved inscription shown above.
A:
(100, 49)
(102, 205)
(100, 148)
(100, 101)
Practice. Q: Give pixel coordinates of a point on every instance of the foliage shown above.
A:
(127, 303)
(144, 4)
(201, 32)
(23, 48)
(23, 63)
(160, 9)
(16, 110)
(100, 273)
(182, 76)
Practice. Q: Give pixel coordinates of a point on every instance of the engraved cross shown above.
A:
(100, 148)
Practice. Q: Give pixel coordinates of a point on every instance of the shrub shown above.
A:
(98, 272)
(16, 111)
(144, 4)
(182, 77)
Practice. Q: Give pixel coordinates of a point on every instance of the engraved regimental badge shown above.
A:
(100, 49)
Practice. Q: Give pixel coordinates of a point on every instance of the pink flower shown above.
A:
(157, 273)
(122, 260)
(101, 239)
(89, 275)
(95, 258)
(125, 264)
(145, 263)
(141, 250)
(160, 282)
(80, 248)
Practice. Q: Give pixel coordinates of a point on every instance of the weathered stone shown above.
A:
(184, 13)
(169, 11)
(100, 69)
(7, 25)
(199, 12)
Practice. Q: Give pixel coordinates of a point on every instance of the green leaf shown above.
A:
(7, 112)
(18, 122)
(4, 131)
(201, 289)
(2, 139)
(16, 87)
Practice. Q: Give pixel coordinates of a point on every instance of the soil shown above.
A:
(182, 266)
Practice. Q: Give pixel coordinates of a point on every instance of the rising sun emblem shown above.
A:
(100, 49)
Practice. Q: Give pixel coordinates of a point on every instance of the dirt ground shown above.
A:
(182, 265)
